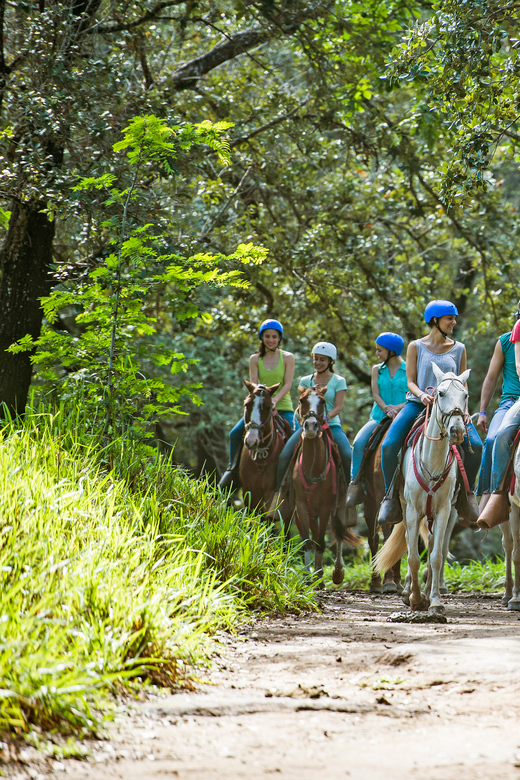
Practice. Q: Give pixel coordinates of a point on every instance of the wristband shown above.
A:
(482, 414)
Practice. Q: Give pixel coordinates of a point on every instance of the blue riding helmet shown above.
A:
(270, 325)
(439, 309)
(391, 341)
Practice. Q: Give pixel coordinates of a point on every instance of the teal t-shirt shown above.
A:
(335, 384)
(391, 389)
(511, 382)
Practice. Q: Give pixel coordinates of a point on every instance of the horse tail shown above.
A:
(393, 549)
(344, 534)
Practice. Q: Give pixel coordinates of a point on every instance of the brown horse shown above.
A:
(374, 494)
(265, 436)
(319, 486)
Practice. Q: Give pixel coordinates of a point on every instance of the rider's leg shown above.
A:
(356, 493)
(230, 476)
(487, 451)
(345, 450)
(286, 455)
(502, 447)
(289, 416)
(390, 510)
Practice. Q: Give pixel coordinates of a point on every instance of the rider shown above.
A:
(503, 360)
(324, 355)
(389, 391)
(496, 511)
(449, 355)
(269, 365)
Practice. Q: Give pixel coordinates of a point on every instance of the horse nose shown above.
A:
(457, 433)
(310, 428)
(251, 439)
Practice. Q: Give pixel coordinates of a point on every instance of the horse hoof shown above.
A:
(421, 605)
(444, 590)
(506, 598)
(406, 598)
(389, 587)
(514, 604)
(399, 588)
(376, 588)
(338, 575)
(437, 609)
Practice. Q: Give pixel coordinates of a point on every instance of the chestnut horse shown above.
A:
(265, 436)
(319, 486)
(374, 494)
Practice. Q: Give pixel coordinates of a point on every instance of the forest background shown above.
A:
(332, 164)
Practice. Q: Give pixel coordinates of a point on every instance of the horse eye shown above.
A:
(442, 393)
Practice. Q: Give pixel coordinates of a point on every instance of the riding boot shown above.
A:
(496, 510)
(390, 510)
(467, 508)
(230, 478)
(355, 493)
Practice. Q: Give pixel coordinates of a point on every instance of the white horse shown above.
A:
(430, 491)
(511, 542)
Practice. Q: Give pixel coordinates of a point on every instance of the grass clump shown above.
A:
(102, 581)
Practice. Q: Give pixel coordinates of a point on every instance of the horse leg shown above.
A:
(507, 544)
(514, 522)
(436, 558)
(417, 601)
(370, 512)
(443, 590)
(389, 579)
(318, 537)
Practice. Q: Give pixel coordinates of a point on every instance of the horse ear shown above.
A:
(439, 375)
(322, 389)
(465, 376)
(250, 386)
(272, 390)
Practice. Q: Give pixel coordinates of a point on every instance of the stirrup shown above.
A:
(495, 512)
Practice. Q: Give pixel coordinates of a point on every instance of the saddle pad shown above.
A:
(378, 433)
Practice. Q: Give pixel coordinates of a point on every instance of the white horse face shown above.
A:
(252, 437)
(451, 402)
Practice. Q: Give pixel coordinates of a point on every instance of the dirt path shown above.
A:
(345, 692)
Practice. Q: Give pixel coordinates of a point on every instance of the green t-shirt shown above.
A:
(334, 385)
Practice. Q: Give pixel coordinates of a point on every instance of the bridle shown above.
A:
(261, 451)
(310, 480)
(444, 416)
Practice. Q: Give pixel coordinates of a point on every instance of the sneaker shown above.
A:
(355, 494)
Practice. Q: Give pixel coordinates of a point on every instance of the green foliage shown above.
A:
(103, 580)
(101, 360)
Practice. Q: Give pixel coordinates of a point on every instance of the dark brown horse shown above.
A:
(374, 494)
(265, 436)
(319, 486)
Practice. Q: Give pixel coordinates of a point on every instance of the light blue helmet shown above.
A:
(439, 309)
(270, 325)
(391, 341)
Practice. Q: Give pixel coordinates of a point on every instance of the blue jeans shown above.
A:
(503, 442)
(342, 442)
(487, 451)
(360, 444)
(236, 434)
(400, 429)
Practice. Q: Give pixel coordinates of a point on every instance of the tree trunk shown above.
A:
(25, 261)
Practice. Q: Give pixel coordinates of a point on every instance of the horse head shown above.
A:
(311, 410)
(258, 410)
(450, 403)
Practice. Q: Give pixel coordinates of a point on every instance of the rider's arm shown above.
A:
(288, 362)
(375, 388)
(411, 375)
(253, 368)
(490, 382)
(338, 403)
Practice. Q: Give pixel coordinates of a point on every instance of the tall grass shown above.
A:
(106, 575)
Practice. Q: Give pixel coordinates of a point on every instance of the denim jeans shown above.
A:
(360, 444)
(237, 433)
(487, 450)
(503, 442)
(400, 429)
(342, 442)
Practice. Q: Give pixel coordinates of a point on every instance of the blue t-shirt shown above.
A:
(392, 389)
(334, 385)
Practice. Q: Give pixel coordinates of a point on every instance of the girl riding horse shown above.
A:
(269, 365)
(389, 392)
(448, 355)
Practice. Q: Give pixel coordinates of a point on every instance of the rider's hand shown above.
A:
(482, 422)
(426, 399)
(391, 411)
(467, 418)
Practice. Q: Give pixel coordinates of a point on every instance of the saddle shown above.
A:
(281, 425)
(378, 434)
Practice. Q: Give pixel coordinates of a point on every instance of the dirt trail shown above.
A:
(345, 693)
